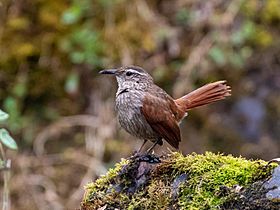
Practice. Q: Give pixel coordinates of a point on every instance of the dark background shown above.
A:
(62, 112)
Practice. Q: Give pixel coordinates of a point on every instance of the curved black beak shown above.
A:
(108, 71)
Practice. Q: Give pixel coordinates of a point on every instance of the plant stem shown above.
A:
(7, 166)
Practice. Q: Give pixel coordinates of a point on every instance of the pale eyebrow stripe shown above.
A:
(134, 71)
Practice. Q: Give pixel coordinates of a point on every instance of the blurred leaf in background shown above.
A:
(5, 137)
(3, 115)
(7, 140)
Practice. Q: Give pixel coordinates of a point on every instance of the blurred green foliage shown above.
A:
(7, 140)
(5, 137)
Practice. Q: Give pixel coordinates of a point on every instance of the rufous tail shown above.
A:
(205, 95)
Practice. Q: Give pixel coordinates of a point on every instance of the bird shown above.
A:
(147, 112)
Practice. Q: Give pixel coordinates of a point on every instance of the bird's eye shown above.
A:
(129, 73)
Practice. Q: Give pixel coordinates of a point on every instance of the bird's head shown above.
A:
(130, 76)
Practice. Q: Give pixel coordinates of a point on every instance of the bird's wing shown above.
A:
(158, 113)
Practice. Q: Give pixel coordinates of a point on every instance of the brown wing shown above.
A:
(158, 114)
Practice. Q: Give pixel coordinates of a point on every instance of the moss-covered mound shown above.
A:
(208, 181)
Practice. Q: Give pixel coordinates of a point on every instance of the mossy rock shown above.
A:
(209, 181)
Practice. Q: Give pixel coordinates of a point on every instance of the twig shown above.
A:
(6, 174)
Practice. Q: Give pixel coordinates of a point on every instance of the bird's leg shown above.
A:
(139, 150)
(153, 146)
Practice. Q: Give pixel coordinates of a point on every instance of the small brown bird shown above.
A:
(147, 112)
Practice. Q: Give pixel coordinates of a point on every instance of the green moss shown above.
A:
(205, 176)
(207, 173)
(96, 189)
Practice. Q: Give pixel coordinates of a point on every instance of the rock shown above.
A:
(176, 184)
(209, 181)
(273, 185)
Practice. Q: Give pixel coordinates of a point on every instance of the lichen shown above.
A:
(187, 182)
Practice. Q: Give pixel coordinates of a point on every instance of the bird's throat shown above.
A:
(125, 90)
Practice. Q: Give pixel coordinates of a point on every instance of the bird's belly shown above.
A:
(130, 117)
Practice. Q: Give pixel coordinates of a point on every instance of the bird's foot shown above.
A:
(148, 158)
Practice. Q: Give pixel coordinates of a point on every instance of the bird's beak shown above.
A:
(108, 71)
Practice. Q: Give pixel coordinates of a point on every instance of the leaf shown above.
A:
(3, 115)
(11, 106)
(18, 23)
(77, 57)
(7, 140)
(244, 33)
(183, 16)
(25, 49)
(72, 83)
(72, 15)
(236, 60)
(217, 55)
(20, 88)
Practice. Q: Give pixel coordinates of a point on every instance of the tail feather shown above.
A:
(206, 94)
